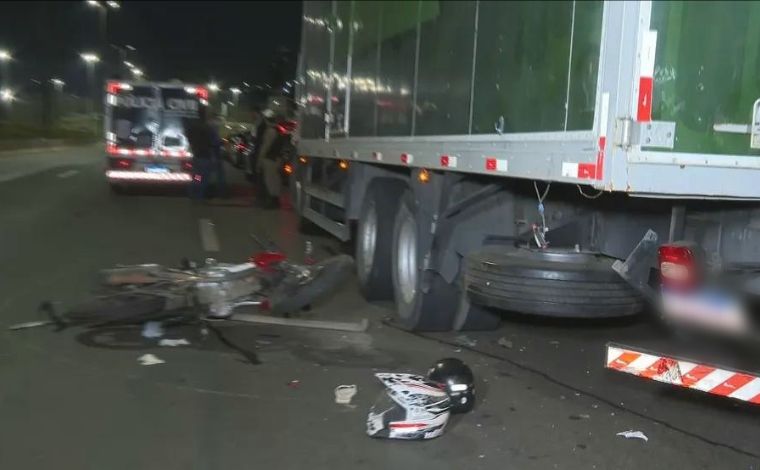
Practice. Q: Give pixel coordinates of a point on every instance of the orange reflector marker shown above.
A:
(303, 159)
(343, 164)
(288, 168)
(423, 176)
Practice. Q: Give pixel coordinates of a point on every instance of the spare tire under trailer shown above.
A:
(552, 283)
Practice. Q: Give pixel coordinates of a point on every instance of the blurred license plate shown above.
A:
(156, 169)
(710, 309)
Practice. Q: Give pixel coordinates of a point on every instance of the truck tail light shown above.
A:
(679, 266)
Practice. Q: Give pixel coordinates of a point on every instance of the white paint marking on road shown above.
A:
(67, 174)
(209, 239)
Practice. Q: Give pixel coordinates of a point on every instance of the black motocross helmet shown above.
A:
(458, 380)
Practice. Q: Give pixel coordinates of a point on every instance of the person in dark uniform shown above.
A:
(200, 136)
(266, 159)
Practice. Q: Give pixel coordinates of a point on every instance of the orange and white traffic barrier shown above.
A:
(703, 377)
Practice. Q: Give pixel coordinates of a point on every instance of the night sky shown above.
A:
(191, 41)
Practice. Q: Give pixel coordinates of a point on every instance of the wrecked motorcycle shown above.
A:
(135, 294)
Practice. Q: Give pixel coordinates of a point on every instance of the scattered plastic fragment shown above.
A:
(295, 383)
(174, 342)
(504, 343)
(149, 360)
(344, 394)
(633, 435)
(152, 329)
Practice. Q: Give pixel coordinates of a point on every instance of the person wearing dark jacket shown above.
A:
(204, 144)
(267, 161)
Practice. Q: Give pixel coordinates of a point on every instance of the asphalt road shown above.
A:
(71, 400)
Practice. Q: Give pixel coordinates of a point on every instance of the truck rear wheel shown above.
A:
(555, 283)
(470, 317)
(423, 304)
(374, 242)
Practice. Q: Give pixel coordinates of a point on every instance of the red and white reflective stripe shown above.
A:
(448, 161)
(145, 176)
(496, 164)
(407, 158)
(579, 170)
(407, 425)
(592, 170)
(646, 76)
(706, 378)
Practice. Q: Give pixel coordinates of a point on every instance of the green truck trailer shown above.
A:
(536, 157)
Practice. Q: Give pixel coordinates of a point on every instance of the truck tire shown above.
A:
(422, 303)
(554, 283)
(470, 317)
(374, 242)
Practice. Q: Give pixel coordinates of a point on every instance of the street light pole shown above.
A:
(90, 60)
(5, 78)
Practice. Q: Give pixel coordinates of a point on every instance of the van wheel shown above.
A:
(424, 301)
(374, 242)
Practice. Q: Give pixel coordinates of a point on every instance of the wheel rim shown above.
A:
(369, 239)
(406, 264)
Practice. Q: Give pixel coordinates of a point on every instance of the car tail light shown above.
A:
(679, 266)
(187, 166)
(123, 163)
(286, 127)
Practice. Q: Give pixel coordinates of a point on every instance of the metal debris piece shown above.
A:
(355, 327)
(633, 435)
(30, 324)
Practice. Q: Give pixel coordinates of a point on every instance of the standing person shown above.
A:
(254, 137)
(266, 158)
(200, 136)
(217, 169)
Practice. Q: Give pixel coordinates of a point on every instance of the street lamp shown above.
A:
(5, 55)
(57, 83)
(89, 57)
(114, 5)
(6, 95)
(213, 87)
(137, 72)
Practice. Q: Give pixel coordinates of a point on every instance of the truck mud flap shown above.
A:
(708, 378)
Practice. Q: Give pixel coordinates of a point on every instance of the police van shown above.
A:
(145, 126)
